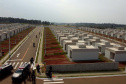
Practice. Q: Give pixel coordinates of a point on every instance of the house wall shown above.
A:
(103, 48)
(68, 45)
(12, 33)
(84, 67)
(107, 54)
(90, 55)
(2, 37)
(120, 57)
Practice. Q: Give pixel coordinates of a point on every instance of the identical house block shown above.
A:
(83, 46)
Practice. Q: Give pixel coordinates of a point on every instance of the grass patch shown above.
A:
(56, 53)
(101, 57)
(52, 47)
(55, 59)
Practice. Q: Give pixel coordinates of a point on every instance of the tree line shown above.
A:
(100, 26)
(21, 20)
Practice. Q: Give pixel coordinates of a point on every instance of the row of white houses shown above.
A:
(81, 45)
(115, 33)
(9, 30)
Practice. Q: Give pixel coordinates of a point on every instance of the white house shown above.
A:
(62, 35)
(88, 37)
(102, 46)
(1, 37)
(65, 38)
(81, 51)
(116, 53)
(72, 41)
(81, 36)
(93, 41)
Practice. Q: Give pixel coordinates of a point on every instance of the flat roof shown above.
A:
(87, 48)
(115, 49)
(70, 41)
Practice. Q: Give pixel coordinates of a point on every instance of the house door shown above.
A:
(99, 48)
(90, 43)
(112, 55)
(70, 54)
(65, 46)
(0, 39)
(14, 32)
(6, 36)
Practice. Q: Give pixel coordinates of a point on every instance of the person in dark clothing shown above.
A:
(33, 44)
(33, 77)
(49, 73)
(33, 72)
(38, 68)
(31, 60)
(29, 75)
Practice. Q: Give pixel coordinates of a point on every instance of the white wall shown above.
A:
(85, 55)
(107, 54)
(120, 57)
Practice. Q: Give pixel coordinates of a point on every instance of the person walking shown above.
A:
(29, 75)
(33, 77)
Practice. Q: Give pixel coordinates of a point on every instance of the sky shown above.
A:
(66, 11)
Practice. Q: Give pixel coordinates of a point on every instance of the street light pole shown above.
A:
(45, 39)
(0, 47)
(9, 45)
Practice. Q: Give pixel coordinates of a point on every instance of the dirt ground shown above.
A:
(98, 80)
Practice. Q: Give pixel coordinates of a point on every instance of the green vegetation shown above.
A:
(101, 57)
(52, 47)
(63, 53)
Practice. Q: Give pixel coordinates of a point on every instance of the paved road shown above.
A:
(96, 80)
(26, 51)
(23, 54)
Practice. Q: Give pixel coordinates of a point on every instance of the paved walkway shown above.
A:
(58, 75)
(39, 61)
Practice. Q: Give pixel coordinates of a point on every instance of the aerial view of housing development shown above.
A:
(62, 42)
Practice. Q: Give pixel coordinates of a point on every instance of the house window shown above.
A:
(99, 48)
(70, 54)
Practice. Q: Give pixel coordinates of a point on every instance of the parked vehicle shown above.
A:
(5, 69)
(21, 73)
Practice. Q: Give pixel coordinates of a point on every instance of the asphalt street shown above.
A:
(23, 54)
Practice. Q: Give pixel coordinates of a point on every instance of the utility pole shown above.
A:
(9, 45)
(0, 47)
(45, 39)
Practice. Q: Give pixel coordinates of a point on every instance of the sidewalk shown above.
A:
(58, 75)
(15, 48)
(39, 60)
